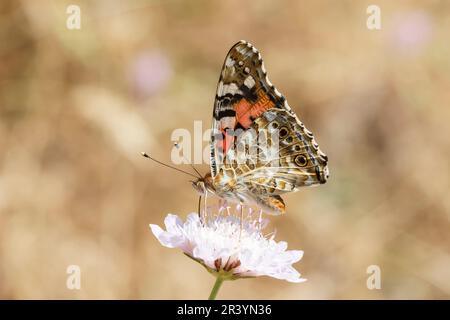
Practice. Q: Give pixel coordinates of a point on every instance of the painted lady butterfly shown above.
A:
(250, 114)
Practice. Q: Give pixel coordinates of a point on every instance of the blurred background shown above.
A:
(77, 107)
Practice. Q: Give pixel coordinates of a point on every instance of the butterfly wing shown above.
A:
(241, 97)
(251, 118)
(296, 162)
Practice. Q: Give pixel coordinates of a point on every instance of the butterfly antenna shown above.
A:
(145, 155)
(192, 166)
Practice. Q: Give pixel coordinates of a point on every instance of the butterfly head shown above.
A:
(204, 184)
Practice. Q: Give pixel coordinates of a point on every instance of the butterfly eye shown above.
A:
(301, 160)
(283, 132)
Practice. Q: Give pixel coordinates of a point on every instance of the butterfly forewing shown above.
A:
(259, 148)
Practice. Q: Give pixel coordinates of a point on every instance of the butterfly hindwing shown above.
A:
(296, 162)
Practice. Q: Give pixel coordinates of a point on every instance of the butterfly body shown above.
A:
(259, 148)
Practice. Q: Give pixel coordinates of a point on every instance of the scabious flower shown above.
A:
(230, 246)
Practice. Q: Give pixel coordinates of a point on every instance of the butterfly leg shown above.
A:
(199, 203)
(205, 206)
(242, 219)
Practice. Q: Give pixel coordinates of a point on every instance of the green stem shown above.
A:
(215, 289)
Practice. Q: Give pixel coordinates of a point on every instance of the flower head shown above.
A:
(229, 246)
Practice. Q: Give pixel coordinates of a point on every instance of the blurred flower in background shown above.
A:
(411, 31)
(149, 73)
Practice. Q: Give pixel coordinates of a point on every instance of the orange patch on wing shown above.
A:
(228, 140)
(278, 204)
(245, 110)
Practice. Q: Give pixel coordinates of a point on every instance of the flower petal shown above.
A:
(173, 223)
(165, 238)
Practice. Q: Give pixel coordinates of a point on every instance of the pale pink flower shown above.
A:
(229, 247)
(149, 73)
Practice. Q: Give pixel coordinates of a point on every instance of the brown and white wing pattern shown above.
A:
(259, 147)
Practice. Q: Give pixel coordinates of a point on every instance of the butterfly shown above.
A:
(251, 118)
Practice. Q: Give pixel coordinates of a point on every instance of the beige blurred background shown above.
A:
(77, 107)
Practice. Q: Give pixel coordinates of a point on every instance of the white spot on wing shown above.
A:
(231, 88)
(241, 50)
(249, 82)
(230, 62)
(270, 116)
(228, 122)
(263, 68)
(286, 105)
(220, 88)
